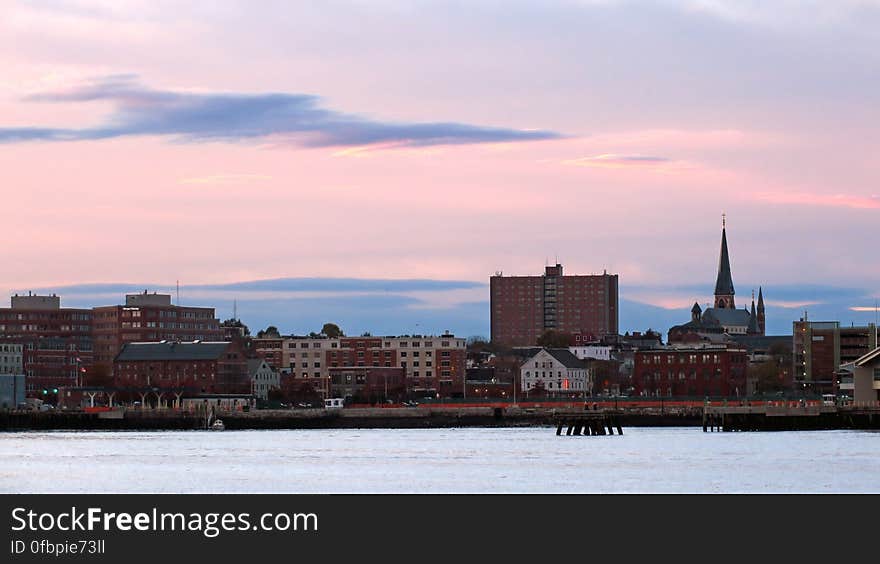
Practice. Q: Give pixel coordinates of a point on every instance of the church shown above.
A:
(723, 320)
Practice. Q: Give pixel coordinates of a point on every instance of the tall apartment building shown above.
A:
(56, 342)
(150, 317)
(432, 364)
(524, 307)
(820, 347)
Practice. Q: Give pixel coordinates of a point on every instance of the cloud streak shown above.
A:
(616, 160)
(296, 119)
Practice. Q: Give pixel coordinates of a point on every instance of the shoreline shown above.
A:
(351, 418)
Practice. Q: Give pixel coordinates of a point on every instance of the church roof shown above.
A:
(724, 283)
(728, 317)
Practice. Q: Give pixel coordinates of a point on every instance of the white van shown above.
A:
(334, 403)
(828, 399)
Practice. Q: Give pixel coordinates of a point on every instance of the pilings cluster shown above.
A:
(588, 424)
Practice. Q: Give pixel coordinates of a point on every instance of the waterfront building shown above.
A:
(821, 347)
(56, 342)
(697, 370)
(150, 317)
(723, 319)
(523, 308)
(555, 372)
(263, 378)
(185, 368)
(860, 379)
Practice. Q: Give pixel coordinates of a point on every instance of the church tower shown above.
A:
(724, 283)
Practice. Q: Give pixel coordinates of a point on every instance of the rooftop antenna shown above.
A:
(178, 293)
(723, 220)
(234, 310)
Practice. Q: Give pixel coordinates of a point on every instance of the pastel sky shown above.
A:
(150, 141)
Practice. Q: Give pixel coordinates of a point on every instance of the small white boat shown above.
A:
(217, 425)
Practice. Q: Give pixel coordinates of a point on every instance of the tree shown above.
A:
(231, 322)
(768, 376)
(332, 330)
(555, 340)
(270, 332)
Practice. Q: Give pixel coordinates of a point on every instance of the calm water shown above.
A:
(520, 460)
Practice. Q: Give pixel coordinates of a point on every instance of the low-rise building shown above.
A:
(367, 384)
(710, 370)
(216, 367)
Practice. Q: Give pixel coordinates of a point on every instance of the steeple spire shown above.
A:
(724, 283)
(762, 320)
(753, 318)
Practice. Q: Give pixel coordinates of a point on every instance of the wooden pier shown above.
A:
(790, 418)
(588, 423)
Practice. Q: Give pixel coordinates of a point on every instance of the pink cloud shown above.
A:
(812, 199)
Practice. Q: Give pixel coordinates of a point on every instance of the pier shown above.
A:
(790, 418)
(588, 424)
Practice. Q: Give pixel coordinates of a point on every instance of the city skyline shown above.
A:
(605, 135)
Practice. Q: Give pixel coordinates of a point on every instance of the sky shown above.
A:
(380, 160)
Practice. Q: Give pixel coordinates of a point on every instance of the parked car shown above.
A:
(411, 403)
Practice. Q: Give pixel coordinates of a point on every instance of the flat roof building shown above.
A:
(523, 308)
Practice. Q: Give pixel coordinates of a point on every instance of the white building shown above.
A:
(595, 352)
(557, 371)
(263, 378)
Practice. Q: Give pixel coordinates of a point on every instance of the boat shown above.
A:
(217, 425)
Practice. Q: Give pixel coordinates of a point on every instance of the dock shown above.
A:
(790, 418)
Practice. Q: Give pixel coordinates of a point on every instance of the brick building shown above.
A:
(690, 371)
(821, 347)
(368, 384)
(524, 307)
(271, 350)
(149, 318)
(197, 367)
(56, 342)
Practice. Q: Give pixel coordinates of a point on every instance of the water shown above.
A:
(503, 460)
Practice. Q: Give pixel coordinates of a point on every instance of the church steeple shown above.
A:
(753, 318)
(761, 319)
(724, 283)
